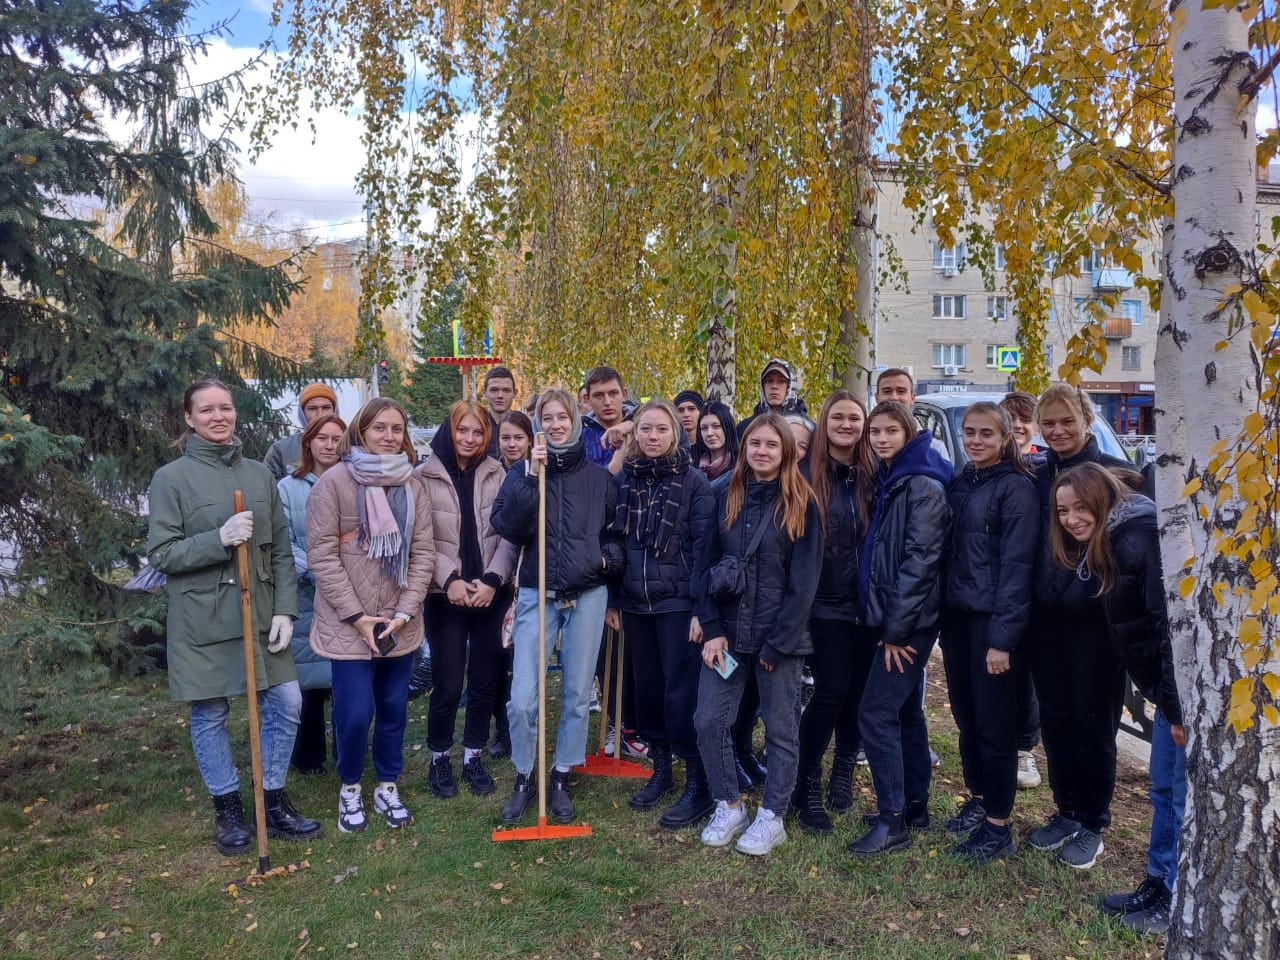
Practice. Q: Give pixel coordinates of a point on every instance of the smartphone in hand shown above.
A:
(386, 642)
(730, 665)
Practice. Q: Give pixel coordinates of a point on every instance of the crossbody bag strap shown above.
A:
(756, 539)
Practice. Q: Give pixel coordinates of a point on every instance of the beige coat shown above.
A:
(348, 583)
(499, 555)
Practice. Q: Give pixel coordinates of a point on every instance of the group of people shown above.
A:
(733, 556)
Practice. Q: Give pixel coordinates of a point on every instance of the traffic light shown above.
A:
(384, 373)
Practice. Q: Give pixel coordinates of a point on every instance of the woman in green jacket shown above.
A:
(194, 532)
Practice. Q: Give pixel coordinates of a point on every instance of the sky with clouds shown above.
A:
(296, 180)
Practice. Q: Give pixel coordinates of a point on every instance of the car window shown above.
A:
(934, 423)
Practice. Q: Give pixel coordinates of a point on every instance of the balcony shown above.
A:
(1112, 278)
(1117, 328)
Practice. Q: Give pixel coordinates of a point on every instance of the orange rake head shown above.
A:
(543, 831)
(601, 765)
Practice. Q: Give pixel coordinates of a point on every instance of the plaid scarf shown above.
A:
(386, 509)
(650, 493)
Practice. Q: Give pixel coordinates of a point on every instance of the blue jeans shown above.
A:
(371, 691)
(580, 625)
(1168, 801)
(279, 706)
(894, 734)
(718, 701)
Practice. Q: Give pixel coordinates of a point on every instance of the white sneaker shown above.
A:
(765, 833)
(351, 818)
(1028, 773)
(386, 800)
(726, 824)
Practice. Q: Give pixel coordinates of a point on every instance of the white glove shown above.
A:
(237, 529)
(281, 633)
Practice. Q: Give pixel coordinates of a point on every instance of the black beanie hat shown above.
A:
(689, 396)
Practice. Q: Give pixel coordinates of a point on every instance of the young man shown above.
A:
(607, 397)
(316, 400)
(499, 396)
(777, 392)
(689, 410)
(896, 384)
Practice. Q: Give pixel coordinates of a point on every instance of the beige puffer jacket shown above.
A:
(348, 583)
(499, 555)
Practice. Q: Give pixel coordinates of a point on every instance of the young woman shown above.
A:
(801, 431)
(842, 650)
(469, 593)
(666, 518)
(1078, 677)
(581, 557)
(986, 605)
(770, 546)
(899, 573)
(716, 451)
(371, 547)
(1107, 536)
(515, 438)
(193, 535)
(318, 452)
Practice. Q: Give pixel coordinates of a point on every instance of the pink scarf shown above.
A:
(386, 509)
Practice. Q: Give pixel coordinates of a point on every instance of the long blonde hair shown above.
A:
(795, 493)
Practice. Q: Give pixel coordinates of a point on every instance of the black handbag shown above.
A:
(727, 577)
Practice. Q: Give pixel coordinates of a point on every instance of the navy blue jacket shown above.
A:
(771, 618)
(995, 536)
(581, 497)
(671, 584)
(900, 563)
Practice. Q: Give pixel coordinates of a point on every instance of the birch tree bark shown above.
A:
(1211, 391)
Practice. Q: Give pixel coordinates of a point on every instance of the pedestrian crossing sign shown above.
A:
(1008, 359)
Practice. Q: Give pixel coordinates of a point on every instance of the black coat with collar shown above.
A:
(837, 597)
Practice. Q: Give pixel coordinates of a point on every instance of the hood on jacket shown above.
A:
(1130, 508)
(575, 432)
(919, 458)
(442, 447)
(792, 402)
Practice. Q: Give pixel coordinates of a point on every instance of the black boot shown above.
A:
(745, 783)
(695, 804)
(840, 786)
(808, 800)
(284, 822)
(750, 763)
(889, 834)
(661, 782)
(231, 834)
(559, 803)
(521, 796)
(916, 816)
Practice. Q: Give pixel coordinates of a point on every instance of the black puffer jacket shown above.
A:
(1056, 588)
(900, 563)
(652, 584)
(837, 597)
(581, 497)
(1135, 606)
(995, 535)
(771, 618)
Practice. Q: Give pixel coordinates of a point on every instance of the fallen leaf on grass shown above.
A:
(157, 937)
(505, 901)
(892, 927)
(304, 933)
(497, 885)
(99, 935)
(377, 914)
(251, 927)
(963, 931)
(349, 872)
(379, 844)
(352, 946)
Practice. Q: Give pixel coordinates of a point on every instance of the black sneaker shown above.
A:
(1082, 850)
(477, 778)
(985, 844)
(1149, 893)
(441, 778)
(1153, 922)
(521, 796)
(1055, 833)
(916, 817)
(971, 814)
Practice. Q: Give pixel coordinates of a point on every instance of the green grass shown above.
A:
(105, 852)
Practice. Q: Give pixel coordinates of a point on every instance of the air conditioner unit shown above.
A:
(950, 370)
(948, 271)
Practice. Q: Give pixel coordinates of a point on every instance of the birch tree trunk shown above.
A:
(722, 364)
(1207, 384)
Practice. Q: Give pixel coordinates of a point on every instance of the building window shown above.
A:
(948, 306)
(1132, 309)
(1048, 356)
(997, 308)
(993, 356)
(999, 256)
(948, 259)
(1090, 263)
(1131, 358)
(949, 354)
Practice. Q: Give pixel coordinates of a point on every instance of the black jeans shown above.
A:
(986, 711)
(1080, 683)
(501, 695)
(310, 745)
(1028, 705)
(718, 701)
(894, 733)
(841, 660)
(452, 630)
(666, 668)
